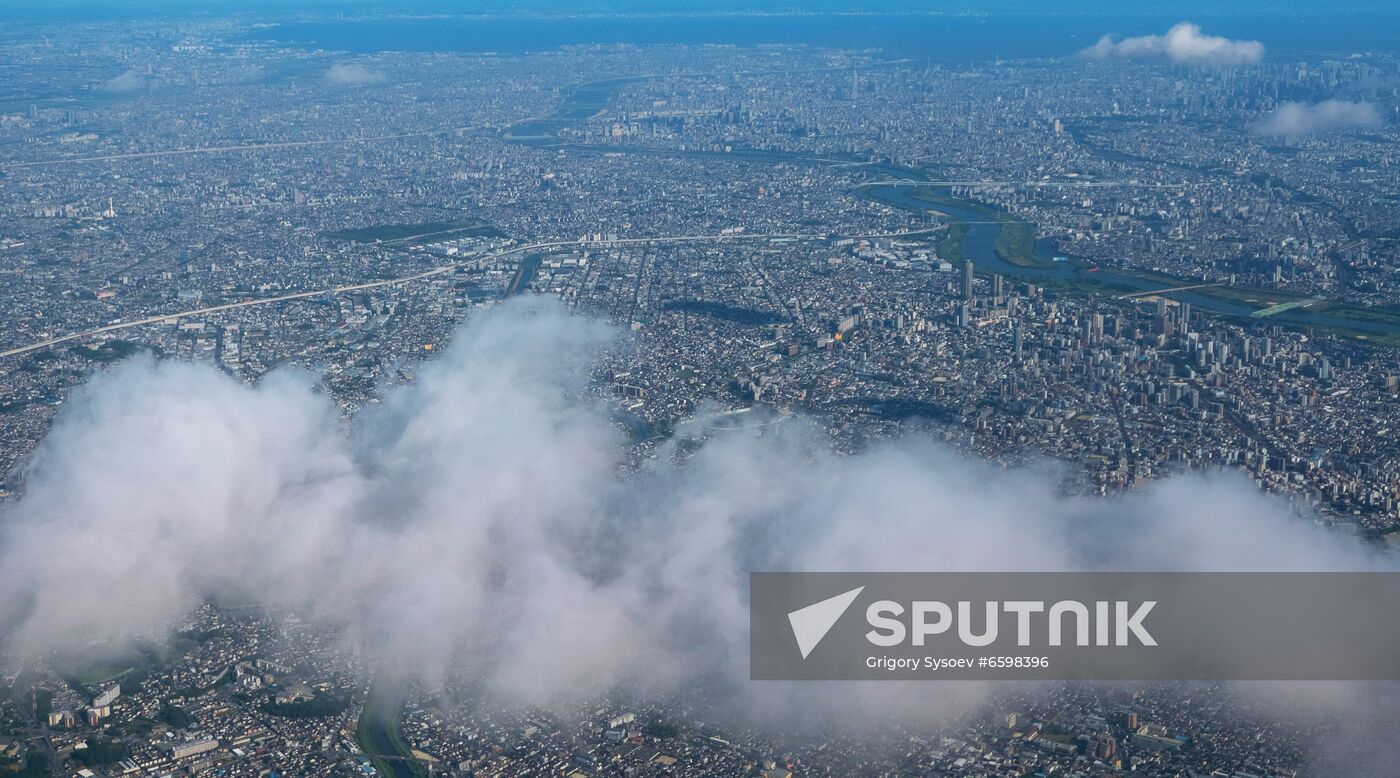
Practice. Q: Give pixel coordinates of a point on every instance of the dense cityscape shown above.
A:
(1131, 267)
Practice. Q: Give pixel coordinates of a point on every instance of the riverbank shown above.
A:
(994, 239)
(379, 732)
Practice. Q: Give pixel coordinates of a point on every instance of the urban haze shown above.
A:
(411, 388)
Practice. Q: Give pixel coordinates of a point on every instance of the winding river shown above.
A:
(980, 235)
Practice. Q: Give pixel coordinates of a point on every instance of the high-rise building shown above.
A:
(191, 748)
(107, 696)
(967, 280)
(1102, 747)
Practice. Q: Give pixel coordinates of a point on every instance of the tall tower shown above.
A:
(967, 280)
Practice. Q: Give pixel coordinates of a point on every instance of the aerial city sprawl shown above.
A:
(616, 295)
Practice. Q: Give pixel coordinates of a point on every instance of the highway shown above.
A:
(293, 144)
(345, 289)
(1150, 292)
(1023, 184)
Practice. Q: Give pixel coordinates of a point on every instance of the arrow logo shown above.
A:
(810, 624)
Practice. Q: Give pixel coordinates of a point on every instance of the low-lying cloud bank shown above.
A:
(1310, 118)
(129, 81)
(353, 74)
(477, 519)
(1183, 44)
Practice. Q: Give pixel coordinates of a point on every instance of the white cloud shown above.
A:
(1307, 119)
(130, 81)
(353, 74)
(477, 519)
(1183, 44)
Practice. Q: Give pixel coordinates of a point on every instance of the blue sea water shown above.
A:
(938, 30)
